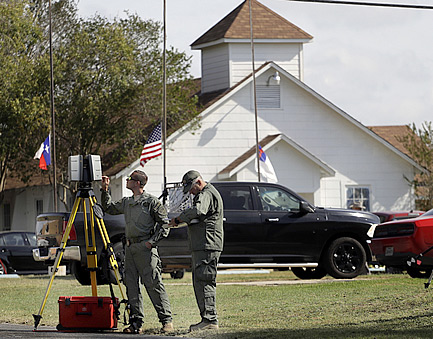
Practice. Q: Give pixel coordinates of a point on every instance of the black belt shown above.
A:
(135, 240)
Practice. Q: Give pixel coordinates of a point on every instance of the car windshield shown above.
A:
(32, 239)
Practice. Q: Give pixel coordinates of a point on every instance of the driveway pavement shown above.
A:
(25, 331)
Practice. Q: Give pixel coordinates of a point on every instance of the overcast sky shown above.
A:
(374, 63)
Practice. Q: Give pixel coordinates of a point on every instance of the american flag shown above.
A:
(152, 148)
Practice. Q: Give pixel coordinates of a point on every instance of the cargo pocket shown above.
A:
(206, 270)
(152, 270)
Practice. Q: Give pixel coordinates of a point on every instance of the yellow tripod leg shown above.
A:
(94, 257)
(38, 317)
(92, 261)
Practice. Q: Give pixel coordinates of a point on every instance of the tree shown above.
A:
(23, 92)
(419, 144)
(109, 83)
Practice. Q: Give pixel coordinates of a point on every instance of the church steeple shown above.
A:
(266, 25)
(226, 51)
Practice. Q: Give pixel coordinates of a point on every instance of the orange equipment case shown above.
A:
(87, 313)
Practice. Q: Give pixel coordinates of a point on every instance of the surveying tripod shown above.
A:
(85, 191)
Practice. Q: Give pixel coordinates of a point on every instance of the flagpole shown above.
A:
(254, 93)
(53, 122)
(164, 99)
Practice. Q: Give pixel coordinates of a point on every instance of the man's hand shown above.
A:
(173, 222)
(105, 182)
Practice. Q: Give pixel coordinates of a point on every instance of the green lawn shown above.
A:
(374, 306)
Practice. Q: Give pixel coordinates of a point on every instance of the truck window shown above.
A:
(236, 198)
(14, 239)
(275, 199)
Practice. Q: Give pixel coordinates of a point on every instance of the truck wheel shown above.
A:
(345, 258)
(119, 252)
(309, 272)
(177, 274)
(81, 273)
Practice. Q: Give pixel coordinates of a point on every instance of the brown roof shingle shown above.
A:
(39, 178)
(393, 135)
(266, 25)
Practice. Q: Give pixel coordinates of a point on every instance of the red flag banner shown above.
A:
(44, 154)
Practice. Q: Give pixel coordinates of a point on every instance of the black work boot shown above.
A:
(133, 328)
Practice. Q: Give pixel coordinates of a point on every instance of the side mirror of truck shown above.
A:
(306, 207)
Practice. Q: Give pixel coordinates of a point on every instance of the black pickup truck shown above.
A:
(265, 226)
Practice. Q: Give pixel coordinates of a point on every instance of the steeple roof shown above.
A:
(266, 25)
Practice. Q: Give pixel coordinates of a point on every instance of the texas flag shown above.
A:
(44, 154)
(266, 169)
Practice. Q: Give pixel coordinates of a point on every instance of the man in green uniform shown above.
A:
(144, 216)
(206, 243)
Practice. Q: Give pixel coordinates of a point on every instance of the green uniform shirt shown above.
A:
(208, 233)
(141, 216)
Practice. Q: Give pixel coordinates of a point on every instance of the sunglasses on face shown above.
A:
(131, 178)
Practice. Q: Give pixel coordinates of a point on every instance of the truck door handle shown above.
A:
(272, 219)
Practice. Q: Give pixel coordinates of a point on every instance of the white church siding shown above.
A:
(23, 206)
(287, 56)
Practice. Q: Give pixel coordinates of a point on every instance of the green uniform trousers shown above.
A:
(204, 272)
(145, 265)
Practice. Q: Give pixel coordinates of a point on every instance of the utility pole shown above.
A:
(53, 120)
(254, 92)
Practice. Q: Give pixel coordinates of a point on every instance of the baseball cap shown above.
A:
(188, 179)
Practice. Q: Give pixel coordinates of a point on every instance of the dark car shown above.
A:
(397, 215)
(265, 226)
(16, 253)
(395, 243)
